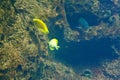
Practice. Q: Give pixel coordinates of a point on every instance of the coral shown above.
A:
(36, 8)
(55, 70)
(116, 2)
(19, 49)
(10, 57)
(71, 35)
(24, 50)
(112, 69)
(1, 13)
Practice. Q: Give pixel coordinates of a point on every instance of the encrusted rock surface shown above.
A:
(24, 53)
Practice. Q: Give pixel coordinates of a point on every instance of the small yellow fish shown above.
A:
(41, 26)
(53, 44)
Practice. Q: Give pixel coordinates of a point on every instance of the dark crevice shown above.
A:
(90, 18)
(13, 2)
(86, 53)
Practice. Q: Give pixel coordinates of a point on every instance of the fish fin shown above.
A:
(51, 48)
(57, 47)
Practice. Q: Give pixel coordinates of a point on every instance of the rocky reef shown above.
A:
(24, 52)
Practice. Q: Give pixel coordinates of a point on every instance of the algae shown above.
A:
(24, 53)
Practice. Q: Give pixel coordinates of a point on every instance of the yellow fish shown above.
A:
(41, 26)
(53, 44)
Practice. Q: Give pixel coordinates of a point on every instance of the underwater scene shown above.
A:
(59, 39)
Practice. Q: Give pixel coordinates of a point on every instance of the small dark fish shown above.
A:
(83, 23)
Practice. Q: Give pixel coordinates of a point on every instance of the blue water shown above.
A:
(87, 53)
